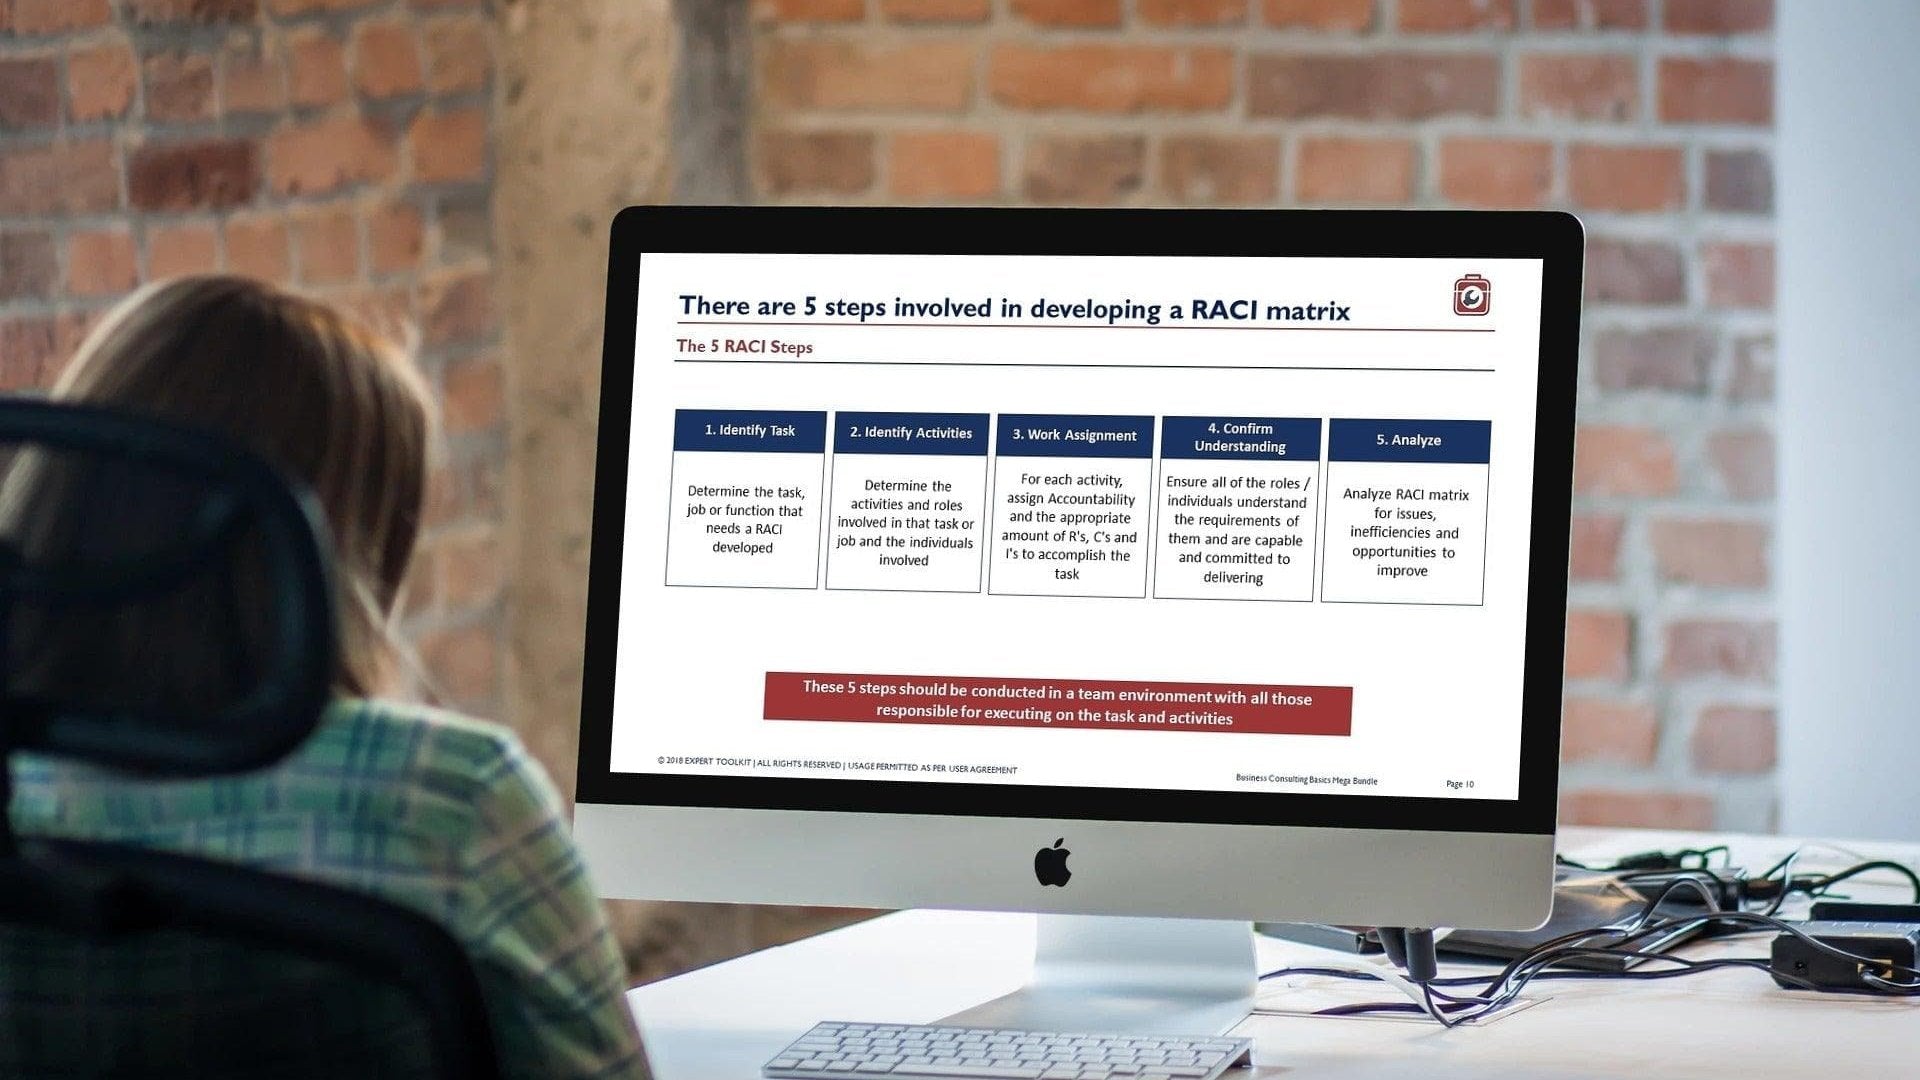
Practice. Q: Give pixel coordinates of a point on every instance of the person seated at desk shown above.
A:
(441, 813)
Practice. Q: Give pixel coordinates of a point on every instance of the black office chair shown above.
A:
(121, 961)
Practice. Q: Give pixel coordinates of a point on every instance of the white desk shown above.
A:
(723, 1022)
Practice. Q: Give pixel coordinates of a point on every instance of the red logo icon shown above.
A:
(1472, 295)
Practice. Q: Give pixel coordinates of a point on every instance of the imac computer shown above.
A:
(1155, 571)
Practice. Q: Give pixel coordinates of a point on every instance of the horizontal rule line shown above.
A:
(1092, 326)
(1121, 367)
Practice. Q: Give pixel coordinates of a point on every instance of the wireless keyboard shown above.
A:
(842, 1051)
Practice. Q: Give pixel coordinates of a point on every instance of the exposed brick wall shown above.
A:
(1651, 118)
(343, 146)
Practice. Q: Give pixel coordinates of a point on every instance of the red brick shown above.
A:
(396, 237)
(177, 250)
(1621, 460)
(1662, 358)
(29, 266)
(943, 165)
(68, 177)
(1374, 86)
(1733, 648)
(459, 54)
(1628, 178)
(1605, 730)
(102, 262)
(33, 348)
(943, 11)
(1743, 460)
(471, 489)
(101, 81)
(1220, 169)
(323, 156)
(198, 174)
(1069, 12)
(1717, 554)
(1752, 375)
(1596, 547)
(471, 574)
(253, 78)
(328, 243)
(316, 68)
(258, 247)
(811, 10)
(1637, 809)
(1635, 272)
(1718, 16)
(1191, 12)
(814, 162)
(1457, 16)
(1496, 172)
(179, 86)
(1738, 275)
(1579, 86)
(419, 590)
(305, 7)
(31, 18)
(830, 73)
(475, 395)
(1734, 739)
(1720, 90)
(1111, 78)
(386, 308)
(29, 93)
(449, 145)
(386, 59)
(1740, 181)
(1589, 14)
(162, 12)
(1354, 15)
(1597, 644)
(457, 308)
(444, 502)
(1343, 170)
(1084, 168)
(464, 663)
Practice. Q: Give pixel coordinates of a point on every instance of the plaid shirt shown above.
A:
(436, 812)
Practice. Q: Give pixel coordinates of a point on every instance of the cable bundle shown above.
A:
(1771, 889)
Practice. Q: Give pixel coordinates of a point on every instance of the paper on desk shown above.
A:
(1305, 995)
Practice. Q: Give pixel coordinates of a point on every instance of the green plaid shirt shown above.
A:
(442, 814)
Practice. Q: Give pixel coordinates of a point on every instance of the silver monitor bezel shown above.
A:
(1375, 859)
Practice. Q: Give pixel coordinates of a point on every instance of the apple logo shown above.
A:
(1050, 864)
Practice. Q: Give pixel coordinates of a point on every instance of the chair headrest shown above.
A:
(105, 516)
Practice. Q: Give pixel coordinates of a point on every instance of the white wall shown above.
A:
(1849, 390)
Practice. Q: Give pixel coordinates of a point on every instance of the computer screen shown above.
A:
(1128, 522)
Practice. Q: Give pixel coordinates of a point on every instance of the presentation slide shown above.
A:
(1188, 523)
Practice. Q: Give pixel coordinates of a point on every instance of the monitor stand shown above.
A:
(1111, 975)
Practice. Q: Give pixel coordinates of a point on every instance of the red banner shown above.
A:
(1113, 704)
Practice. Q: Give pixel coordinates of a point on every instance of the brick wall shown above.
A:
(340, 145)
(1651, 118)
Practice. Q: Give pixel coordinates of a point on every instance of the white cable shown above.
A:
(1386, 973)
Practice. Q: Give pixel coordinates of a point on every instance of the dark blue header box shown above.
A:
(1029, 435)
(1456, 442)
(1240, 438)
(948, 434)
(750, 431)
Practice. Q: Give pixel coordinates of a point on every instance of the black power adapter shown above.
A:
(1878, 953)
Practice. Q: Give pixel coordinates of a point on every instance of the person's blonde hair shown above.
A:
(335, 404)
